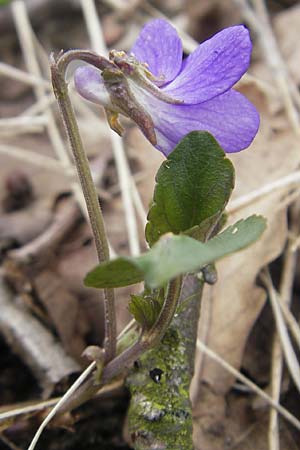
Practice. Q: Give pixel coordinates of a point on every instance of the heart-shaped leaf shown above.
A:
(192, 185)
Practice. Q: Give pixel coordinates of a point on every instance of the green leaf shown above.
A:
(145, 309)
(175, 255)
(116, 273)
(192, 185)
(205, 229)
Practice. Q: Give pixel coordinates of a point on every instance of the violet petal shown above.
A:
(159, 45)
(214, 67)
(90, 85)
(230, 118)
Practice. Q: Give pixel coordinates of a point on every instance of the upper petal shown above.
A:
(214, 67)
(159, 45)
(90, 85)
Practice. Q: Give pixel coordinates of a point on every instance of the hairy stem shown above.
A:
(58, 69)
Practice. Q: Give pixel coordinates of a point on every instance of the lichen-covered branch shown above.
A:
(160, 415)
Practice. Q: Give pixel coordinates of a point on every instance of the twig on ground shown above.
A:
(8, 443)
(34, 344)
(283, 411)
(61, 402)
(276, 377)
(242, 437)
(39, 106)
(287, 347)
(286, 201)
(22, 76)
(140, 209)
(13, 413)
(285, 182)
(20, 125)
(38, 10)
(47, 242)
(291, 322)
(35, 158)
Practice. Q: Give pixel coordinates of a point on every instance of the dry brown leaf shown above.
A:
(286, 27)
(210, 16)
(235, 302)
(65, 311)
(228, 423)
(25, 224)
(77, 256)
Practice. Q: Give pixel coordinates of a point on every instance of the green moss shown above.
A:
(160, 414)
(160, 405)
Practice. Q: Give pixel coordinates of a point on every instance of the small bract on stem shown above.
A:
(148, 338)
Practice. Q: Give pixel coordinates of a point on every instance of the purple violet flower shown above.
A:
(168, 96)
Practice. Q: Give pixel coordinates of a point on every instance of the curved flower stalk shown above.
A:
(168, 96)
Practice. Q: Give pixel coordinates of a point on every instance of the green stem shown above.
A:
(167, 312)
(58, 69)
